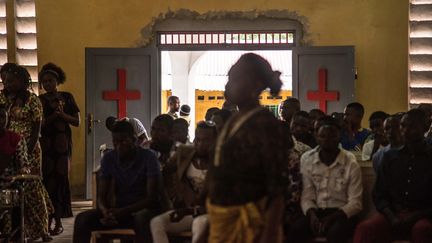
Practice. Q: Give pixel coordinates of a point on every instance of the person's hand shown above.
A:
(107, 218)
(330, 219)
(178, 215)
(314, 222)
(399, 226)
(115, 213)
(60, 112)
(25, 170)
(109, 222)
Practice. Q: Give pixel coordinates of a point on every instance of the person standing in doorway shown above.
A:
(60, 111)
(173, 106)
(185, 113)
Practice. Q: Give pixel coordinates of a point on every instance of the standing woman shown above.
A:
(25, 112)
(246, 182)
(60, 111)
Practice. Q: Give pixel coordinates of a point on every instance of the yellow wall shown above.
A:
(377, 28)
(201, 106)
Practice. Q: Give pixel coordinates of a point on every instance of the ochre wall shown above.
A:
(201, 106)
(377, 28)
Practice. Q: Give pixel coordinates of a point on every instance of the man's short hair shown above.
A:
(418, 116)
(291, 100)
(328, 121)
(381, 115)
(303, 114)
(109, 122)
(166, 120)
(210, 112)
(123, 127)
(224, 114)
(356, 106)
(172, 98)
(181, 122)
(207, 125)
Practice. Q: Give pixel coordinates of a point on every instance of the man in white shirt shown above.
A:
(332, 189)
(376, 139)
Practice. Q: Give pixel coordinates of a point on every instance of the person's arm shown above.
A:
(36, 118)
(73, 119)
(367, 150)
(355, 191)
(380, 193)
(71, 116)
(104, 186)
(34, 136)
(171, 165)
(22, 157)
(273, 218)
(49, 119)
(308, 196)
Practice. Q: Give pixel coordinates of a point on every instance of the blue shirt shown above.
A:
(359, 139)
(130, 181)
(378, 156)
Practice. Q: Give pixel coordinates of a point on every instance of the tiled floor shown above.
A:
(66, 236)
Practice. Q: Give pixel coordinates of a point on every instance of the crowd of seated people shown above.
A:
(249, 176)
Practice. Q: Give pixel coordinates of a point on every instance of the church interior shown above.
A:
(135, 58)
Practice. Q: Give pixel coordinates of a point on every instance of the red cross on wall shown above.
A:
(322, 95)
(121, 94)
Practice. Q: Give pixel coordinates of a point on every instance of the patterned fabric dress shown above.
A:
(13, 154)
(37, 203)
(56, 142)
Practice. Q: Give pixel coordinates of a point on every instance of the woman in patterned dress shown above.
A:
(25, 112)
(60, 111)
(13, 160)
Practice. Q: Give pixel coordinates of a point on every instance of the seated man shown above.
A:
(161, 138)
(393, 136)
(140, 131)
(402, 189)
(134, 173)
(300, 128)
(376, 139)
(332, 189)
(353, 135)
(288, 108)
(180, 132)
(185, 113)
(190, 165)
(220, 118)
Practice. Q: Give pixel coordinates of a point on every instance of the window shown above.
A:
(420, 52)
(225, 38)
(18, 35)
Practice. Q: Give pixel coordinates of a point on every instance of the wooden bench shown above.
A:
(106, 236)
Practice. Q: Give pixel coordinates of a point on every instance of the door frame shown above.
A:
(155, 87)
(318, 50)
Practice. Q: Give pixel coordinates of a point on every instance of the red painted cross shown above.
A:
(322, 95)
(121, 94)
